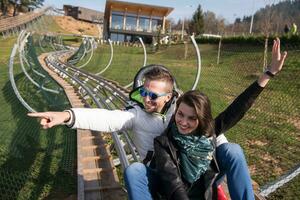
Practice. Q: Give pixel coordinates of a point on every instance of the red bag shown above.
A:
(221, 193)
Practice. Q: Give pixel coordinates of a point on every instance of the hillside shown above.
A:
(272, 18)
(71, 25)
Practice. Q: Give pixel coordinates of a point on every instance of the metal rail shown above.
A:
(268, 189)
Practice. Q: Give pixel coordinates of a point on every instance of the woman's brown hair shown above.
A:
(201, 104)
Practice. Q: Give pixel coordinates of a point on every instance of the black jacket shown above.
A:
(166, 153)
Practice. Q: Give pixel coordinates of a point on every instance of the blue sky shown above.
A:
(229, 9)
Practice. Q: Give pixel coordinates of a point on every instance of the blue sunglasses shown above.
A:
(153, 96)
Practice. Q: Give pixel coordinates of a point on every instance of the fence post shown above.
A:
(185, 50)
(219, 51)
(265, 54)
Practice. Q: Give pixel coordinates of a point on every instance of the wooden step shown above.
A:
(95, 158)
(101, 188)
(92, 137)
(93, 147)
(97, 170)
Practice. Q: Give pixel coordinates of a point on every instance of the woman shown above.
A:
(185, 157)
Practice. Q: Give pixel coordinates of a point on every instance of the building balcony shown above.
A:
(134, 29)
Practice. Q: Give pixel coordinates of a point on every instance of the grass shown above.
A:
(6, 47)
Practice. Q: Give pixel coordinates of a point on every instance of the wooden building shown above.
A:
(125, 21)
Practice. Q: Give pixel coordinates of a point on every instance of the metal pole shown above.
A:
(265, 54)
(219, 51)
(251, 24)
(182, 29)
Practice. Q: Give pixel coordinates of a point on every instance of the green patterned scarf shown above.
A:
(195, 154)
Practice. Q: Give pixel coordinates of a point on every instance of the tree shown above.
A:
(4, 6)
(16, 4)
(213, 24)
(271, 19)
(177, 25)
(266, 20)
(197, 22)
(221, 25)
(19, 5)
(210, 22)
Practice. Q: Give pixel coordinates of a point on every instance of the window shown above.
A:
(114, 37)
(128, 38)
(131, 14)
(131, 23)
(117, 13)
(155, 24)
(121, 37)
(117, 22)
(144, 24)
(117, 37)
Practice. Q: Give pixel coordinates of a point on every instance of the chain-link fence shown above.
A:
(34, 164)
(269, 133)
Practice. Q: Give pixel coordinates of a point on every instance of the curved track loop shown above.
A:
(22, 42)
(145, 60)
(197, 78)
(92, 43)
(110, 60)
(12, 80)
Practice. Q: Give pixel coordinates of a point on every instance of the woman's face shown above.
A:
(186, 119)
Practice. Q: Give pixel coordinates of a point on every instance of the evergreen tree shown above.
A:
(197, 23)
